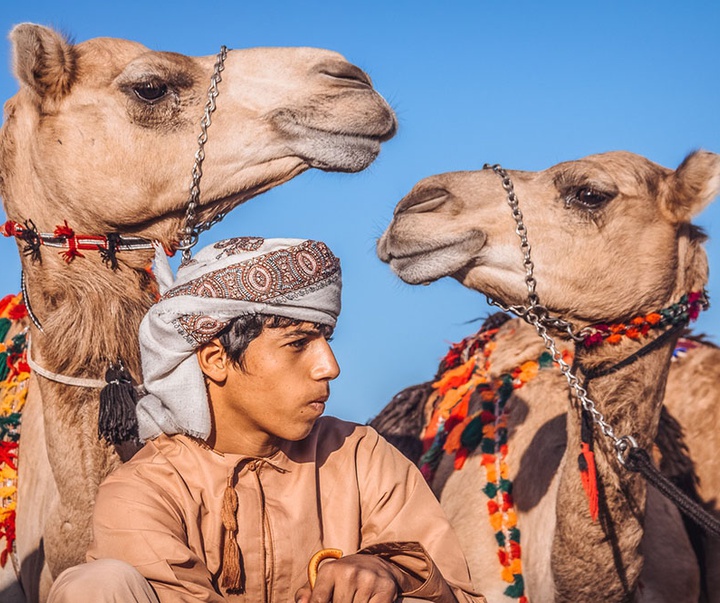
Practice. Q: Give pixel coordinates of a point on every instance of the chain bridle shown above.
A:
(190, 233)
(539, 317)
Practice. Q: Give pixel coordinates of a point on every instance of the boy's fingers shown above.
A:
(303, 593)
(324, 587)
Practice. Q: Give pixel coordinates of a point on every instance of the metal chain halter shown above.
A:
(192, 229)
(539, 317)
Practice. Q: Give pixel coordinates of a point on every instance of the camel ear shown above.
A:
(43, 60)
(692, 186)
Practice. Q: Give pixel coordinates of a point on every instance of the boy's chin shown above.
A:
(302, 431)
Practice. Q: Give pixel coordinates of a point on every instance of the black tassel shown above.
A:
(109, 255)
(31, 237)
(117, 421)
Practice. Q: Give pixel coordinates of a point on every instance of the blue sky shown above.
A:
(527, 84)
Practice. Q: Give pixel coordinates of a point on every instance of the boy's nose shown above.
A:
(326, 366)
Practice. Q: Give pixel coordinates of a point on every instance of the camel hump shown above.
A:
(43, 60)
(694, 184)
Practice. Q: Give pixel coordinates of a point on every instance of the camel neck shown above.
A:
(627, 381)
(87, 312)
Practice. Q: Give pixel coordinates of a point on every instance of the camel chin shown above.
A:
(337, 152)
(332, 151)
(427, 267)
(422, 262)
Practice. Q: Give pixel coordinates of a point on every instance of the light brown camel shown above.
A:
(583, 217)
(102, 135)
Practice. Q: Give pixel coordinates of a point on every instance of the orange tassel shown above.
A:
(460, 457)
(589, 480)
(455, 377)
(632, 333)
(653, 318)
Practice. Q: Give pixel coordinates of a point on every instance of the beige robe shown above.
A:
(341, 487)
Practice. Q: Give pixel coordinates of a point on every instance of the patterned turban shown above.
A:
(293, 278)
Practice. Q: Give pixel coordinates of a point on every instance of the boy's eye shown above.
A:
(299, 343)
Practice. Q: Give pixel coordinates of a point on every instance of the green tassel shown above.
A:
(9, 425)
(487, 446)
(546, 360)
(5, 324)
(18, 344)
(4, 368)
(514, 534)
(506, 485)
(517, 588)
(472, 434)
(505, 390)
(490, 490)
(500, 537)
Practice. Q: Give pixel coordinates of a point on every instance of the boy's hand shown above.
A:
(352, 579)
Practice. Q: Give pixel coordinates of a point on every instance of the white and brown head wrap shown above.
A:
(294, 278)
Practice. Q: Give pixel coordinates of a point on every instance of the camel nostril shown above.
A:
(422, 201)
(346, 74)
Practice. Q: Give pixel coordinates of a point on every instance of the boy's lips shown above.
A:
(318, 404)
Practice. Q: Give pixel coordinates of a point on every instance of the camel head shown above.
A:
(610, 233)
(103, 133)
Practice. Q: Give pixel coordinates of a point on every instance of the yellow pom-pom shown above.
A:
(496, 521)
(491, 473)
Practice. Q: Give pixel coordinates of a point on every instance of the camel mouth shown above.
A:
(423, 265)
(335, 151)
(350, 149)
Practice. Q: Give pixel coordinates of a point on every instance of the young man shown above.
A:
(241, 481)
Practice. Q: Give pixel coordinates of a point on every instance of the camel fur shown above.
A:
(103, 134)
(611, 239)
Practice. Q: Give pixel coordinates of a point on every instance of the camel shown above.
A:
(583, 216)
(101, 138)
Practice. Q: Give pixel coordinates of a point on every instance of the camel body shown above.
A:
(101, 137)
(537, 414)
(457, 224)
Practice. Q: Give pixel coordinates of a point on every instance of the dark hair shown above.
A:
(236, 337)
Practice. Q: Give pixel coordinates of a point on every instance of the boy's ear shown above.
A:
(213, 360)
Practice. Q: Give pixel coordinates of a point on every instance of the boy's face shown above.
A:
(282, 389)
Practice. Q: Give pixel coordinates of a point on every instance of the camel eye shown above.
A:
(588, 197)
(150, 92)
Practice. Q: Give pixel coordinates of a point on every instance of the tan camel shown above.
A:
(102, 135)
(583, 216)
